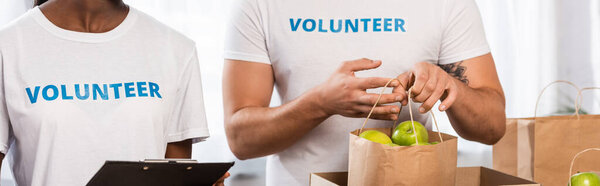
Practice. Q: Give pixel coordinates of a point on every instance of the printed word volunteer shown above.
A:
(348, 25)
(95, 91)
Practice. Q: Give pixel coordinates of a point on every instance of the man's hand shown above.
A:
(470, 92)
(254, 129)
(345, 94)
(429, 84)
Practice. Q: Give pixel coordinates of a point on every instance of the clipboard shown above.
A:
(159, 172)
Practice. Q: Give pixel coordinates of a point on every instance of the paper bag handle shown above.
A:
(579, 98)
(413, 122)
(550, 84)
(409, 110)
(575, 157)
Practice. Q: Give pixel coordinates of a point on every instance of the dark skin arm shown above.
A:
(179, 150)
(183, 150)
(1, 158)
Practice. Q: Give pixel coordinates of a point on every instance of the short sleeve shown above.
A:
(245, 37)
(5, 128)
(188, 119)
(463, 36)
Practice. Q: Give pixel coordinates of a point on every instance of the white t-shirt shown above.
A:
(72, 100)
(305, 41)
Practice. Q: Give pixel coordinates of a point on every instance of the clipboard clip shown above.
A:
(169, 161)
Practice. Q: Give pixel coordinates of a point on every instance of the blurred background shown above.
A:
(534, 42)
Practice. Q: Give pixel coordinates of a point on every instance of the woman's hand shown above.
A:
(345, 94)
(221, 181)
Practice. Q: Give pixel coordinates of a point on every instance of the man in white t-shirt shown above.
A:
(319, 56)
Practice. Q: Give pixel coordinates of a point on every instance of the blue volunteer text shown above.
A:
(348, 25)
(96, 91)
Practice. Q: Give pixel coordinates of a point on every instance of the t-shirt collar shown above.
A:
(127, 23)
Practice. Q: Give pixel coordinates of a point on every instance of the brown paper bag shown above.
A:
(374, 164)
(571, 172)
(558, 140)
(513, 153)
(540, 148)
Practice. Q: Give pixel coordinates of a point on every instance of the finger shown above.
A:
(222, 179)
(391, 117)
(227, 174)
(402, 98)
(384, 109)
(376, 116)
(428, 89)
(371, 99)
(404, 101)
(359, 64)
(375, 82)
(421, 78)
(410, 84)
(403, 80)
(435, 96)
(449, 100)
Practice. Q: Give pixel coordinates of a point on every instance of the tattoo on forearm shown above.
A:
(456, 70)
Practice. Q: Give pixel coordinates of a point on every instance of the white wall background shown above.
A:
(533, 42)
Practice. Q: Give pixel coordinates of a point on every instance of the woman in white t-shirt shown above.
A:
(85, 81)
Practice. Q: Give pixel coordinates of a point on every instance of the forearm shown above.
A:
(1, 159)
(259, 131)
(179, 150)
(478, 114)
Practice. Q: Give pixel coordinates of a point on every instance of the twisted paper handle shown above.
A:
(579, 98)
(550, 84)
(575, 157)
(413, 122)
(375, 105)
(409, 111)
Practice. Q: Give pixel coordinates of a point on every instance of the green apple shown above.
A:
(435, 142)
(376, 136)
(405, 135)
(585, 179)
(392, 144)
(421, 144)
